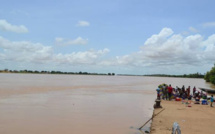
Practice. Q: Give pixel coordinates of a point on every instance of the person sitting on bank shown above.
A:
(196, 94)
(184, 96)
(197, 100)
(180, 92)
(189, 98)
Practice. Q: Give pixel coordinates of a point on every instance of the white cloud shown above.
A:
(5, 26)
(192, 29)
(167, 51)
(24, 51)
(65, 42)
(86, 57)
(209, 24)
(59, 39)
(176, 49)
(83, 24)
(159, 38)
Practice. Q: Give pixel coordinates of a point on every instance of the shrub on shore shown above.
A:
(210, 75)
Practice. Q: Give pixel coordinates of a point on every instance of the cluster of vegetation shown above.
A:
(51, 72)
(195, 75)
(210, 75)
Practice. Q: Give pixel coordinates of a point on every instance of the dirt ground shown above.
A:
(197, 119)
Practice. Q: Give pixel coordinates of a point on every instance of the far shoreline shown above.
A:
(195, 75)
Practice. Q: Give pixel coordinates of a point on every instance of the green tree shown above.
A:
(207, 77)
(210, 76)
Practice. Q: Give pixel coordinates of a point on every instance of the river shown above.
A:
(79, 104)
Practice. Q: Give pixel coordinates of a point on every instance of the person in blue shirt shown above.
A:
(158, 93)
(212, 100)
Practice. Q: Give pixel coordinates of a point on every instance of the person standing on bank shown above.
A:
(188, 91)
(169, 91)
(194, 90)
(212, 100)
(165, 92)
(158, 93)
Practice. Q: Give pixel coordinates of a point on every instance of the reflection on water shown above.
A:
(76, 104)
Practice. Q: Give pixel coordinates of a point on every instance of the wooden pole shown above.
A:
(150, 119)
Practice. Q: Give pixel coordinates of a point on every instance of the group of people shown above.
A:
(167, 92)
(164, 91)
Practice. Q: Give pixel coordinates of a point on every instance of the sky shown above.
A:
(99, 36)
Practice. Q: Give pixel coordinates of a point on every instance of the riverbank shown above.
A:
(197, 119)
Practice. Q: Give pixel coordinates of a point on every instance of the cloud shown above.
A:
(174, 49)
(83, 24)
(86, 57)
(209, 24)
(192, 29)
(164, 52)
(167, 52)
(25, 51)
(28, 52)
(65, 42)
(5, 26)
(159, 38)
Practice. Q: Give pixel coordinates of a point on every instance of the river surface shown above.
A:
(79, 104)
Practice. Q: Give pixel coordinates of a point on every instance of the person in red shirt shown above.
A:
(188, 92)
(170, 91)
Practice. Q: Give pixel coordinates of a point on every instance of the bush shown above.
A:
(210, 76)
(212, 79)
(207, 77)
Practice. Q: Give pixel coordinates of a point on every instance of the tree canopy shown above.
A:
(210, 75)
(51, 72)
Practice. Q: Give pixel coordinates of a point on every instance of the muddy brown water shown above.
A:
(79, 104)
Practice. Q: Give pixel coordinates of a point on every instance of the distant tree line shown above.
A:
(210, 75)
(51, 72)
(195, 75)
